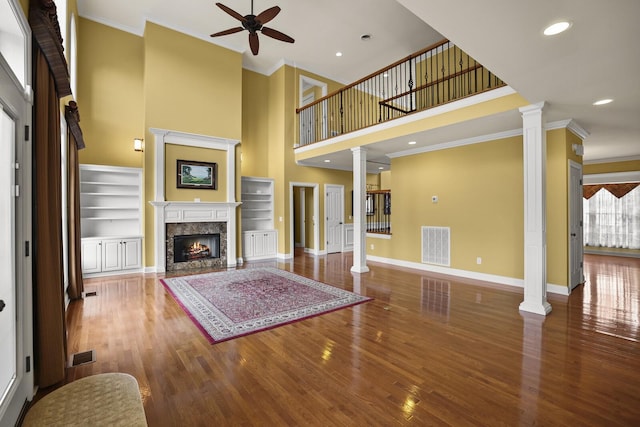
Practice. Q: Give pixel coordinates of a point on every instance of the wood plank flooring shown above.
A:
(428, 350)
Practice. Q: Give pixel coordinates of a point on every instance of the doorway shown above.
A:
(576, 246)
(303, 224)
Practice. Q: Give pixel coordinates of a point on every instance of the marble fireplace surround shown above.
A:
(192, 211)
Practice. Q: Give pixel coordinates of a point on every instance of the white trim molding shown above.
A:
(184, 211)
(466, 274)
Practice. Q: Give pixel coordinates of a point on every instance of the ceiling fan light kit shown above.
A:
(253, 24)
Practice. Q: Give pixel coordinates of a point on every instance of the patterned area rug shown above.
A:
(234, 303)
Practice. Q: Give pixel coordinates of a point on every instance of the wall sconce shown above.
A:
(137, 144)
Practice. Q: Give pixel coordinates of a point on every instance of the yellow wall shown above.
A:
(625, 166)
(483, 209)
(255, 124)
(189, 86)
(480, 197)
(173, 153)
(110, 94)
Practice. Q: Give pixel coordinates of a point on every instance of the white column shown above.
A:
(359, 221)
(535, 195)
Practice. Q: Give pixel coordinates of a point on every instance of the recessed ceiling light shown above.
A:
(338, 54)
(365, 37)
(327, 161)
(412, 143)
(557, 28)
(381, 168)
(603, 102)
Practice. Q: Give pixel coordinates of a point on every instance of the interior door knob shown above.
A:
(2, 305)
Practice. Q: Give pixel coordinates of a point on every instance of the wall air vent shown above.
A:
(436, 245)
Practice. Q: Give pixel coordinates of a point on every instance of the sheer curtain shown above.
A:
(612, 222)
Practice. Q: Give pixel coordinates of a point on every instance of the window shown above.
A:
(611, 221)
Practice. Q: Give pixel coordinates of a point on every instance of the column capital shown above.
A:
(532, 108)
(356, 149)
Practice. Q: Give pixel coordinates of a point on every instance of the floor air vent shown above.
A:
(436, 245)
(90, 294)
(82, 358)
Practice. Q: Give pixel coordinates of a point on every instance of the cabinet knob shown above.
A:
(2, 305)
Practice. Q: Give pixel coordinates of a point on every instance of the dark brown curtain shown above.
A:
(49, 330)
(76, 285)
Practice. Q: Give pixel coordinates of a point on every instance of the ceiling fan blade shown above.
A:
(268, 15)
(231, 12)
(254, 43)
(274, 34)
(229, 31)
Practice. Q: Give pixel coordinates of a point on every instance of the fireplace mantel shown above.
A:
(176, 212)
(196, 211)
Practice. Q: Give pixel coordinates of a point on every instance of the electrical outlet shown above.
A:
(479, 260)
(372, 246)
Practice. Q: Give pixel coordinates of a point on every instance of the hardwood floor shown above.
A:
(427, 350)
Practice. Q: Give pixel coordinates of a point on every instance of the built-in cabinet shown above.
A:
(111, 218)
(259, 238)
(110, 255)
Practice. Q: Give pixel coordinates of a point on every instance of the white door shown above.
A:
(334, 212)
(576, 247)
(8, 300)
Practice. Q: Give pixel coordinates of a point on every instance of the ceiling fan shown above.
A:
(253, 24)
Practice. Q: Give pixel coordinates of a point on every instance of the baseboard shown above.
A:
(502, 280)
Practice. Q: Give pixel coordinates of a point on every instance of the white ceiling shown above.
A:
(597, 58)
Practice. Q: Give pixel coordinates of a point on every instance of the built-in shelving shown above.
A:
(259, 238)
(111, 218)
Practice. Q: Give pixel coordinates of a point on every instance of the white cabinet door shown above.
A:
(91, 256)
(131, 254)
(259, 241)
(111, 255)
(271, 243)
(247, 244)
(259, 244)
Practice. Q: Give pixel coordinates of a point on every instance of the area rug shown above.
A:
(234, 303)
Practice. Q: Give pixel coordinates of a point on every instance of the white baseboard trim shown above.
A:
(502, 280)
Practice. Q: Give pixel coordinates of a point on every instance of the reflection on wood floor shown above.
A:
(429, 350)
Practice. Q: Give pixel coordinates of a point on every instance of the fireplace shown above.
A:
(193, 245)
(196, 246)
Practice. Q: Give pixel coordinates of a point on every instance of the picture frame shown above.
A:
(196, 175)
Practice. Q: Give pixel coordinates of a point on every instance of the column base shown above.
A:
(363, 269)
(537, 308)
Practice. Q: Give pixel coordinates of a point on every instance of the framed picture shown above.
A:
(201, 175)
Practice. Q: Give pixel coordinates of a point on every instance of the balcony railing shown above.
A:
(378, 211)
(439, 74)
